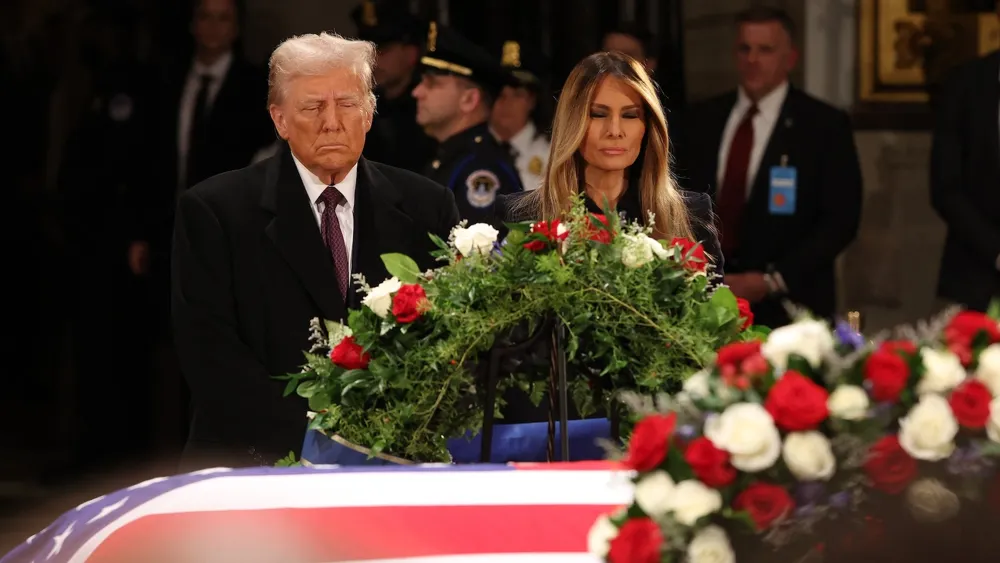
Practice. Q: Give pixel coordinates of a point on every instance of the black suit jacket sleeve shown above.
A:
(841, 196)
(224, 376)
(949, 193)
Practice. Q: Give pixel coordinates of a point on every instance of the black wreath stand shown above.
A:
(555, 331)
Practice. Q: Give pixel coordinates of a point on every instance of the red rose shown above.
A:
(648, 446)
(692, 254)
(745, 313)
(796, 403)
(348, 354)
(970, 402)
(639, 540)
(764, 503)
(710, 464)
(889, 467)
(740, 362)
(597, 234)
(964, 328)
(409, 303)
(887, 372)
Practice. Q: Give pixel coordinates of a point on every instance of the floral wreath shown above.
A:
(782, 434)
(401, 378)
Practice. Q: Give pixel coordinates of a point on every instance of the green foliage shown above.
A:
(288, 461)
(642, 327)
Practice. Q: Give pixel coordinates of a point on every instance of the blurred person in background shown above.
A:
(783, 168)
(965, 182)
(454, 100)
(520, 116)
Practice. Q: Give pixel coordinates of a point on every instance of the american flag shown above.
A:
(417, 514)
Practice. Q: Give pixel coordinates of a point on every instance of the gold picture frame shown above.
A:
(900, 52)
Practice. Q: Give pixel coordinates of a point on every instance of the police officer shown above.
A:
(454, 99)
(520, 114)
(395, 138)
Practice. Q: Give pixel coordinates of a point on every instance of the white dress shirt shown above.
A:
(217, 71)
(531, 153)
(345, 211)
(768, 111)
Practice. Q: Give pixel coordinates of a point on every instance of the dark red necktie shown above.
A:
(334, 238)
(733, 197)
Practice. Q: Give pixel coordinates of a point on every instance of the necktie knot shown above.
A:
(751, 112)
(331, 196)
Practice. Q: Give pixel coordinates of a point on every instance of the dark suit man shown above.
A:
(258, 252)
(784, 170)
(965, 182)
(210, 122)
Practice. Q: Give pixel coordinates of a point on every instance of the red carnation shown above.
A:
(889, 467)
(692, 253)
(409, 303)
(797, 403)
(639, 540)
(740, 363)
(745, 313)
(710, 464)
(887, 371)
(549, 230)
(970, 402)
(764, 503)
(649, 443)
(963, 330)
(348, 354)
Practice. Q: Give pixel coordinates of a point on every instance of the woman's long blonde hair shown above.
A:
(564, 173)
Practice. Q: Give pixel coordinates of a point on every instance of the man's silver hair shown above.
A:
(315, 54)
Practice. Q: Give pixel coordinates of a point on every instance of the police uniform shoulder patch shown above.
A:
(481, 188)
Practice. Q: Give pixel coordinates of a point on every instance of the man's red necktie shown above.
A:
(334, 238)
(733, 197)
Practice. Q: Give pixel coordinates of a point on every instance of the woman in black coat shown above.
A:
(609, 141)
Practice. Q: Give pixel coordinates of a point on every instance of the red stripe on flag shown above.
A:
(314, 535)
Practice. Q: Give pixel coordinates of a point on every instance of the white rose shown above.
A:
(943, 371)
(809, 339)
(636, 253)
(993, 425)
(653, 492)
(928, 431)
(599, 538)
(809, 456)
(477, 238)
(711, 545)
(692, 500)
(988, 370)
(379, 299)
(748, 433)
(848, 402)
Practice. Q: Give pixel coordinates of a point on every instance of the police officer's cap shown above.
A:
(447, 52)
(386, 21)
(525, 62)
